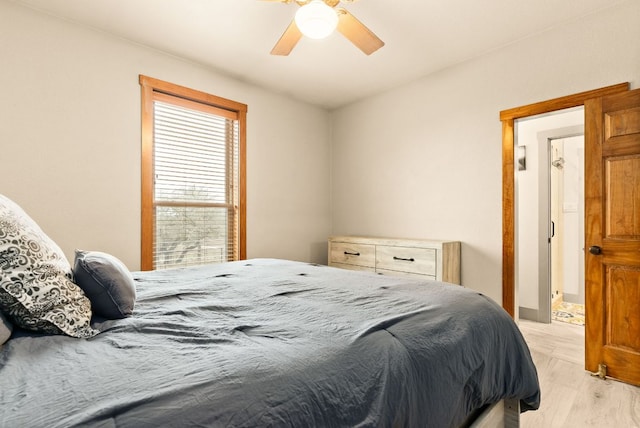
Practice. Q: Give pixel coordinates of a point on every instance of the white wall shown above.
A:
(573, 219)
(70, 141)
(424, 160)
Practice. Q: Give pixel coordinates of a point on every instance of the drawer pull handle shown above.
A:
(404, 260)
(347, 253)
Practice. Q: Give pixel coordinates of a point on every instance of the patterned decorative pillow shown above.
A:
(36, 291)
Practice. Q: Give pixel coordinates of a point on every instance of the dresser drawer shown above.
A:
(407, 259)
(409, 274)
(353, 267)
(352, 254)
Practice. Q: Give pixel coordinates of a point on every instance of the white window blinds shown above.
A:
(195, 189)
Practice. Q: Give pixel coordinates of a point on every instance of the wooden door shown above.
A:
(612, 235)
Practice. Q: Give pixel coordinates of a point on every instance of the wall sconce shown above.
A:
(522, 158)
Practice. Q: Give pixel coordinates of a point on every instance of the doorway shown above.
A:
(548, 208)
(612, 119)
(508, 118)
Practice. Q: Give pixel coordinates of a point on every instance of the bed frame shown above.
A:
(504, 413)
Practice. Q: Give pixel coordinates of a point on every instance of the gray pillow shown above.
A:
(107, 282)
(5, 329)
(36, 291)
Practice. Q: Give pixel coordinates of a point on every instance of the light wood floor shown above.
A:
(571, 397)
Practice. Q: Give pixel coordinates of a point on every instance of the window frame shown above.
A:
(152, 89)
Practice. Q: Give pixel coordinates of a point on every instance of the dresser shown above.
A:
(437, 260)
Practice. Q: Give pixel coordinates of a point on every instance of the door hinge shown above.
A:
(602, 371)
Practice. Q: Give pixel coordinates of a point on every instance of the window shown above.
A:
(193, 177)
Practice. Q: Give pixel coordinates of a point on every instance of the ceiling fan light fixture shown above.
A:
(316, 20)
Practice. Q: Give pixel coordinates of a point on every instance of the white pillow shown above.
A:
(36, 291)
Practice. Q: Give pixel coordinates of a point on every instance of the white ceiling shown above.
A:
(235, 37)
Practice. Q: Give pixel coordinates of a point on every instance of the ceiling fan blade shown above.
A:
(358, 33)
(287, 41)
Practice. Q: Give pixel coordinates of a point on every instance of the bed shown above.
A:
(261, 342)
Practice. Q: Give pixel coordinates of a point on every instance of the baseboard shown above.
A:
(528, 314)
(572, 298)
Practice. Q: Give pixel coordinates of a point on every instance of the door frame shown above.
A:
(508, 118)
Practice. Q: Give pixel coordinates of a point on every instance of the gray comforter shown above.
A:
(274, 343)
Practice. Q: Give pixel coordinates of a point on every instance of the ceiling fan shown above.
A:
(317, 19)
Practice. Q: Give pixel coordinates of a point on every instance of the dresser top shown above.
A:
(398, 242)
